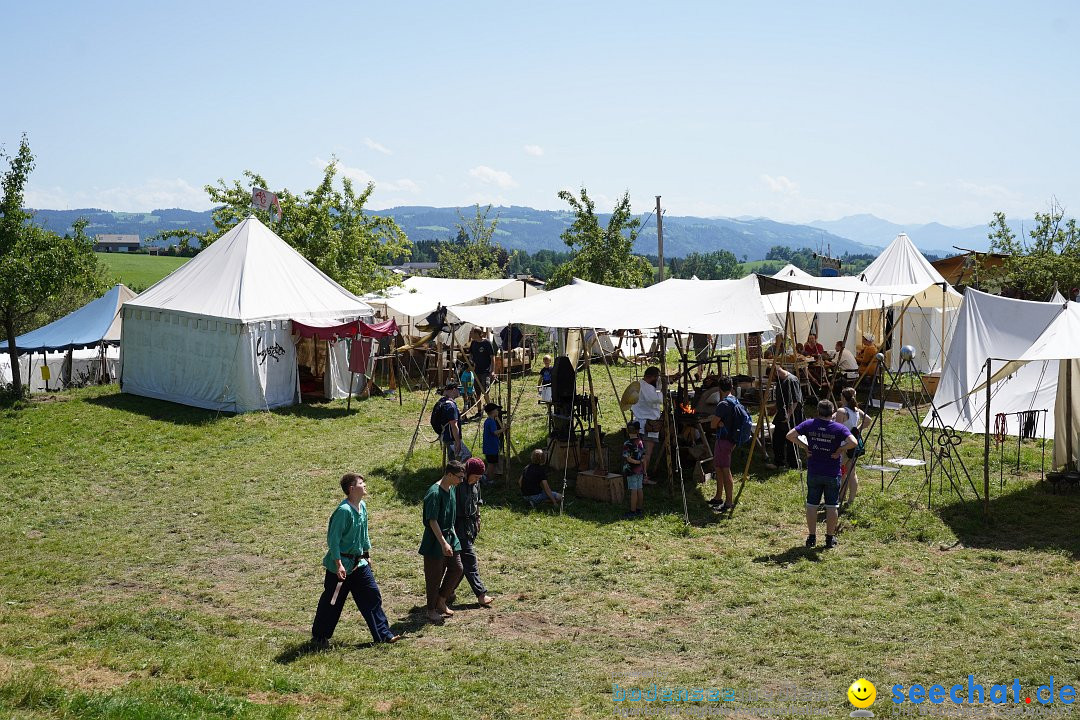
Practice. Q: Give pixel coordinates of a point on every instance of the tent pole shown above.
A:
(611, 379)
(941, 341)
(666, 408)
(986, 446)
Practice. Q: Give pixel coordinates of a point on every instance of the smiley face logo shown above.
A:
(862, 693)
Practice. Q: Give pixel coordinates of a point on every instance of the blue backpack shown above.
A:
(742, 424)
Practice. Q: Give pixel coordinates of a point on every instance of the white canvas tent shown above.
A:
(1055, 353)
(216, 333)
(417, 297)
(990, 326)
(712, 307)
(930, 316)
(900, 280)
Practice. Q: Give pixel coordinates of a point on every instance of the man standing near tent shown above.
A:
(348, 569)
(480, 353)
(446, 420)
(789, 413)
(647, 411)
(826, 441)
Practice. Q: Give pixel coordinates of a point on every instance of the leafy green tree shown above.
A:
(39, 270)
(326, 225)
(1048, 258)
(471, 253)
(717, 265)
(601, 255)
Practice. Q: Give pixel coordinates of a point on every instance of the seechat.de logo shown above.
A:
(862, 695)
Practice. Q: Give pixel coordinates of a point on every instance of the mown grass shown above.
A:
(163, 562)
(137, 271)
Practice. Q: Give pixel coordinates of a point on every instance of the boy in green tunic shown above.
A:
(348, 569)
(440, 545)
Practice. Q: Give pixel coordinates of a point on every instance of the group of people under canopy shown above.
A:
(827, 369)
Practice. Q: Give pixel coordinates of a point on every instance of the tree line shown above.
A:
(44, 275)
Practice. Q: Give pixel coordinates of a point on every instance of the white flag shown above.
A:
(265, 200)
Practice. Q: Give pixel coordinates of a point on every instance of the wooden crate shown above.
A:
(562, 456)
(602, 486)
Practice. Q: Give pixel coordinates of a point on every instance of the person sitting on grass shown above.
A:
(633, 453)
(826, 440)
(534, 483)
(348, 569)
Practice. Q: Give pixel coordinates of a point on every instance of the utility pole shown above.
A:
(659, 241)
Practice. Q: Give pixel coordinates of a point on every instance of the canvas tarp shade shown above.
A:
(216, 333)
(990, 326)
(350, 329)
(91, 325)
(712, 307)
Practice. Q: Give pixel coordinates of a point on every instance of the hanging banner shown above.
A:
(359, 354)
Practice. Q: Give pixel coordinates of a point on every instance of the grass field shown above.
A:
(163, 562)
(139, 272)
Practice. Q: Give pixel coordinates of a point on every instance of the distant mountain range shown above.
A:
(933, 238)
(532, 230)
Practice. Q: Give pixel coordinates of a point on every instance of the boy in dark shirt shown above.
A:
(534, 484)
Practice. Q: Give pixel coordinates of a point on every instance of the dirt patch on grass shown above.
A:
(90, 678)
(527, 626)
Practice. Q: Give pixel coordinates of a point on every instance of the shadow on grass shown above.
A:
(164, 410)
(792, 555)
(1028, 518)
(155, 409)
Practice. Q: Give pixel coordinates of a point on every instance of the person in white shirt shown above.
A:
(846, 364)
(851, 416)
(647, 411)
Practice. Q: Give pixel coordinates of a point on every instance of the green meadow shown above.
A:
(138, 271)
(164, 562)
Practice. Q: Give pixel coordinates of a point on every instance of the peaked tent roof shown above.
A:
(790, 270)
(902, 264)
(250, 274)
(90, 325)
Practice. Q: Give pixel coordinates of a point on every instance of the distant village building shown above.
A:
(413, 268)
(116, 243)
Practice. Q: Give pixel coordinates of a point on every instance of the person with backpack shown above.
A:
(446, 421)
(733, 427)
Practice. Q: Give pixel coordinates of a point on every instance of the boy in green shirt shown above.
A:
(440, 545)
(348, 569)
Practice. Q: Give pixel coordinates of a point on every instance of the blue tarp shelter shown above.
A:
(80, 346)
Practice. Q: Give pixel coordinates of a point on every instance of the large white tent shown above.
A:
(929, 316)
(900, 279)
(990, 326)
(216, 333)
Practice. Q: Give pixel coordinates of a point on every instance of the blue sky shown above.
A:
(797, 111)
